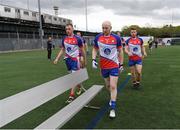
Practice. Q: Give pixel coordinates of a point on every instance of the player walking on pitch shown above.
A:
(108, 45)
(136, 51)
(71, 46)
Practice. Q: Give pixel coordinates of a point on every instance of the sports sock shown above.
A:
(72, 93)
(113, 104)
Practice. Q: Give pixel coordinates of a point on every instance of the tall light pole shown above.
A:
(28, 4)
(56, 9)
(86, 15)
(40, 25)
(172, 17)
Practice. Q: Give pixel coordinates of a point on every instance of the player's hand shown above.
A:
(145, 54)
(130, 54)
(55, 61)
(94, 64)
(83, 64)
(121, 68)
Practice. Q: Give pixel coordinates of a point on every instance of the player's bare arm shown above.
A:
(127, 51)
(121, 55)
(144, 51)
(84, 56)
(61, 52)
(94, 53)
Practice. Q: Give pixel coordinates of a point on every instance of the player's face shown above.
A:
(79, 34)
(50, 38)
(69, 30)
(119, 34)
(133, 33)
(106, 29)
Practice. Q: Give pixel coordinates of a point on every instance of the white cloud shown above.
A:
(95, 20)
(119, 12)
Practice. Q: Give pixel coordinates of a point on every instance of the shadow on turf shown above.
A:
(130, 87)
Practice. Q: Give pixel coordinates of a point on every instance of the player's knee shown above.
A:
(113, 87)
(107, 86)
(139, 73)
(133, 72)
(133, 75)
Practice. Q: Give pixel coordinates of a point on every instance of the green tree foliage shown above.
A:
(165, 31)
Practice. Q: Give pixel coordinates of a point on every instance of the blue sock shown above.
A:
(113, 104)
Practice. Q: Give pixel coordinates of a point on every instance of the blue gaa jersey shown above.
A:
(72, 46)
(108, 48)
(135, 45)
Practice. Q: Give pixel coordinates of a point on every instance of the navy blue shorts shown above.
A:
(110, 72)
(72, 65)
(135, 62)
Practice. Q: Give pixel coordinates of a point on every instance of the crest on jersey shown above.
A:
(135, 49)
(107, 51)
(69, 49)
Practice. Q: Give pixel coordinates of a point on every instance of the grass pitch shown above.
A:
(156, 105)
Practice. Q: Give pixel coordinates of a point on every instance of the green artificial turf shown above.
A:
(155, 105)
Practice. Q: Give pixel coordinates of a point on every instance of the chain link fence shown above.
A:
(26, 41)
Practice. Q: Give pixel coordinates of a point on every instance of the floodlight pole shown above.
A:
(28, 4)
(40, 25)
(172, 17)
(86, 15)
(172, 22)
